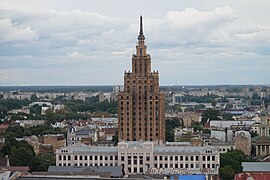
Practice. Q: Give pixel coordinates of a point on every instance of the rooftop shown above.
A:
(256, 166)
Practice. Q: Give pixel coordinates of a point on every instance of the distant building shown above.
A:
(177, 98)
(56, 140)
(242, 142)
(81, 135)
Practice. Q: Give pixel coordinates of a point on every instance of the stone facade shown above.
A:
(57, 140)
(243, 142)
(142, 157)
(141, 106)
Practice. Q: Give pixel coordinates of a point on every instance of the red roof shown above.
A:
(257, 176)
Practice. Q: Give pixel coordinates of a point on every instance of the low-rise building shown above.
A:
(56, 140)
(143, 157)
(80, 135)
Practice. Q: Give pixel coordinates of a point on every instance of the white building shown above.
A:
(142, 157)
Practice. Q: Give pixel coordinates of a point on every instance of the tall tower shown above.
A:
(141, 106)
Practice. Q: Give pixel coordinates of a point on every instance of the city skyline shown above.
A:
(85, 43)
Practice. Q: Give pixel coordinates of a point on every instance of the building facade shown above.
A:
(143, 157)
(141, 106)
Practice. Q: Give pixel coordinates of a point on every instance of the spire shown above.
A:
(141, 26)
(141, 36)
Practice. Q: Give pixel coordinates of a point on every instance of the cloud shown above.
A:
(91, 44)
(9, 32)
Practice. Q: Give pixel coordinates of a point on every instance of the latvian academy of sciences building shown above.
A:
(141, 126)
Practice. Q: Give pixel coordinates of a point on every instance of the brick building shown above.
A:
(141, 106)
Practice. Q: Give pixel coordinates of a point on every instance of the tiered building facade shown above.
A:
(141, 106)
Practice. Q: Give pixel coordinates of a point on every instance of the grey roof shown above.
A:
(115, 170)
(181, 149)
(96, 149)
(256, 166)
(85, 131)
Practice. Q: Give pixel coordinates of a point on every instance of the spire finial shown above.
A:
(141, 25)
(141, 36)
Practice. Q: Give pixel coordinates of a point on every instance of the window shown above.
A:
(176, 158)
(96, 157)
(160, 158)
(181, 158)
(176, 165)
(122, 158)
(203, 158)
(90, 158)
(171, 158)
(186, 165)
(69, 158)
(147, 158)
(186, 158)
(155, 158)
(80, 157)
(85, 157)
(213, 158)
(76, 157)
(197, 158)
(60, 157)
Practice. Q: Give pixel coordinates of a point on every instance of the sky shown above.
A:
(83, 42)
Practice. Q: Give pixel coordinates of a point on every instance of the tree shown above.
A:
(226, 173)
(227, 116)
(170, 125)
(50, 116)
(213, 102)
(230, 163)
(34, 98)
(36, 109)
(210, 114)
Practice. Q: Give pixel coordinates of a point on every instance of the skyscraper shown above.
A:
(141, 106)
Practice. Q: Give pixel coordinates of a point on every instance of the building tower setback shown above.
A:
(141, 106)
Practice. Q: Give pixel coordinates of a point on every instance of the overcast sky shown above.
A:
(90, 42)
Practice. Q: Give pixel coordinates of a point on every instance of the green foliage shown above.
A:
(22, 154)
(194, 108)
(19, 131)
(34, 98)
(50, 116)
(170, 125)
(91, 105)
(115, 138)
(210, 114)
(36, 109)
(226, 173)
(230, 163)
(43, 161)
(227, 116)
(198, 127)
